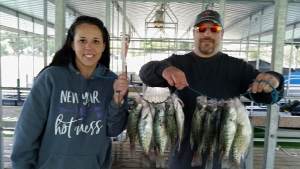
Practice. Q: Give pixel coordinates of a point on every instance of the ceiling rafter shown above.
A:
(119, 9)
(248, 18)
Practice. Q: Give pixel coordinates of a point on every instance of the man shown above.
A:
(212, 73)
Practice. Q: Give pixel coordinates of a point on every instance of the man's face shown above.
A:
(207, 43)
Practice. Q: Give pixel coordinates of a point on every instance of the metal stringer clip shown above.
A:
(290, 154)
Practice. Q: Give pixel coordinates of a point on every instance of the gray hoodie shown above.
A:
(66, 121)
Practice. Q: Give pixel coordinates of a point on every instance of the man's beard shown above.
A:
(206, 51)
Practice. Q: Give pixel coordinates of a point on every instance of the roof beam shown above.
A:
(69, 10)
(266, 33)
(260, 2)
(247, 19)
(23, 16)
(118, 8)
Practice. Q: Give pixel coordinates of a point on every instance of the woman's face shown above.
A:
(88, 46)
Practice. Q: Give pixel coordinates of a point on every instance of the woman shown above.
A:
(74, 107)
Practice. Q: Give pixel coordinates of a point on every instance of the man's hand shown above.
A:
(259, 85)
(175, 77)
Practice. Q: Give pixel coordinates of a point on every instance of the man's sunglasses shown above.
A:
(202, 28)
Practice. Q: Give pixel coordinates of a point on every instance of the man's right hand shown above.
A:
(175, 77)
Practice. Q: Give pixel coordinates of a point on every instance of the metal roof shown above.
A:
(242, 18)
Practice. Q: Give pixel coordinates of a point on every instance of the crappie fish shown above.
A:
(210, 132)
(179, 116)
(196, 136)
(243, 134)
(227, 133)
(218, 122)
(160, 134)
(145, 128)
(152, 152)
(132, 124)
(171, 124)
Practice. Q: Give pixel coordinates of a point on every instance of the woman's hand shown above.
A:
(120, 86)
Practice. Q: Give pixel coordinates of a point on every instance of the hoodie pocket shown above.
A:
(60, 161)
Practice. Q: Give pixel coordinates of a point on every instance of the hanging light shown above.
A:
(159, 19)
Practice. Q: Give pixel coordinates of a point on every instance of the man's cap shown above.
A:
(209, 15)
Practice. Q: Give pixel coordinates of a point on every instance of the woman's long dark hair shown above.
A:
(66, 54)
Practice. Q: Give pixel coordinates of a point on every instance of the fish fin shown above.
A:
(179, 143)
(145, 160)
(225, 163)
(156, 150)
(235, 164)
(242, 156)
(152, 155)
(209, 164)
(191, 141)
(197, 160)
(160, 161)
(168, 144)
(173, 152)
(126, 137)
(132, 151)
(204, 148)
(181, 103)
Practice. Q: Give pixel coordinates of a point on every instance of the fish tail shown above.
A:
(145, 160)
(209, 164)
(235, 164)
(204, 148)
(179, 143)
(173, 152)
(225, 163)
(191, 142)
(152, 155)
(160, 161)
(132, 151)
(197, 160)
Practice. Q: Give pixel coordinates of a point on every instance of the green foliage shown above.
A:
(51, 45)
(185, 45)
(3, 50)
(7, 135)
(13, 41)
(252, 55)
(260, 133)
(37, 43)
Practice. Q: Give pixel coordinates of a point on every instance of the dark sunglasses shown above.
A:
(202, 28)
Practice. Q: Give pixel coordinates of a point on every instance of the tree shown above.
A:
(3, 50)
(13, 41)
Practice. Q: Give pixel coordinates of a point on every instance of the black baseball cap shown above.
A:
(209, 15)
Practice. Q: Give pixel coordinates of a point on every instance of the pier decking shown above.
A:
(122, 161)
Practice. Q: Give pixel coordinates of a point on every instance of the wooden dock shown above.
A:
(122, 161)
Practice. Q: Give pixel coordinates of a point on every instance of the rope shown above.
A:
(274, 93)
(116, 77)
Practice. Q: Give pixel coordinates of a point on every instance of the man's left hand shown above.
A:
(261, 85)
